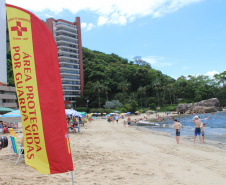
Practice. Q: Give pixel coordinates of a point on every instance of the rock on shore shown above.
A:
(207, 106)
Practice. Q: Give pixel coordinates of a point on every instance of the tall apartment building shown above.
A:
(69, 45)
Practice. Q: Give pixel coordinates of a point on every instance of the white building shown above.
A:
(7, 94)
(3, 69)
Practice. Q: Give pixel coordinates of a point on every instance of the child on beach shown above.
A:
(202, 132)
(124, 123)
(129, 121)
(177, 127)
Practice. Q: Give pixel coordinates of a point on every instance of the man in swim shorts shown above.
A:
(197, 128)
(177, 127)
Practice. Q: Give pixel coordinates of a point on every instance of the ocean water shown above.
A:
(215, 129)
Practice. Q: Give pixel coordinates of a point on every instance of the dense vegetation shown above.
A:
(136, 84)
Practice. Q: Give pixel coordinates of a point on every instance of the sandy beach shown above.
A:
(111, 154)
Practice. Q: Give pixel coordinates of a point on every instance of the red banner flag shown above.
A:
(39, 91)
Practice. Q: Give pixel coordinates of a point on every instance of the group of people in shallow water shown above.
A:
(199, 129)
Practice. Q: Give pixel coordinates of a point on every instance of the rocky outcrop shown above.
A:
(198, 109)
(213, 102)
(205, 106)
(182, 108)
(211, 109)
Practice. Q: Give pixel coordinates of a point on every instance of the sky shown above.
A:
(177, 37)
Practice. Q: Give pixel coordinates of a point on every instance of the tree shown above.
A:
(10, 78)
(124, 85)
(111, 77)
(80, 101)
(112, 104)
(97, 86)
(221, 78)
(138, 60)
(134, 106)
(141, 91)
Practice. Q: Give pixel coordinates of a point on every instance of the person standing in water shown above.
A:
(197, 128)
(177, 126)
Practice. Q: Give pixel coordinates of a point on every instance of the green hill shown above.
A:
(110, 77)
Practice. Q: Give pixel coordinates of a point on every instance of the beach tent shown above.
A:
(12, 117)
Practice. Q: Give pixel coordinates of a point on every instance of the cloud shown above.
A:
(87, 27)
(185, 67)
(102, 20)
(156, 61)
(109, 11)
(211, 73)
(83, 25)
(90, 26)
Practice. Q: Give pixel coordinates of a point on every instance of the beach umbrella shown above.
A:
(5, 110)
(117, 111)
(12, 117)
(104, 113)
(69, 112)
(73, 113)
(128, 113)
(76, 114)
(82, 113)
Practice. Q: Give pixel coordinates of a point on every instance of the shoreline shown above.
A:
(187, 138)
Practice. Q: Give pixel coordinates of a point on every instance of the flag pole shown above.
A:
(72, 177)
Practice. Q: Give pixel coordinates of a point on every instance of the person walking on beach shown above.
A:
(177, 126)
(116, 118)
(202, 132)
(112, 119)
(197, 128)
(129, 121)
